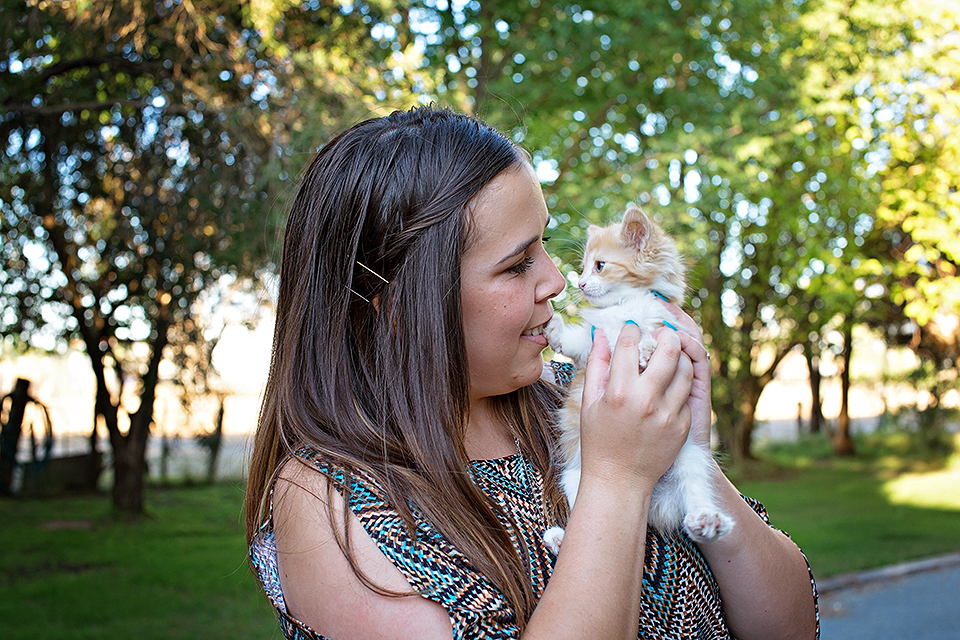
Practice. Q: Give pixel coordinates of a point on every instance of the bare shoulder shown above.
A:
(319, 585)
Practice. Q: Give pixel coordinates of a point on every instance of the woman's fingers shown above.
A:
(661, 367)
(683, 321)
(597, 370)
(699, 401)
(693, 348)
(633, 423)
(625, 361)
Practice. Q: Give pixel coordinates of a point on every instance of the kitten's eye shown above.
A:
(521, 266)
(599, 266)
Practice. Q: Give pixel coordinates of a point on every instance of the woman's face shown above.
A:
(506, 282)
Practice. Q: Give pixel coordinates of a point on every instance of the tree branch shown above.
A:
(115, 62)
(106, 105)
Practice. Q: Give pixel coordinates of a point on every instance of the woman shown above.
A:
(401, 482)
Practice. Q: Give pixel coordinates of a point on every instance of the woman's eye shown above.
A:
(599, 266)
(521, 266)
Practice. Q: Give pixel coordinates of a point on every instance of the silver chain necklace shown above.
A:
(526, 471)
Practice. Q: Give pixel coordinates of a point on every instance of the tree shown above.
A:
(910, 128)
(611, 117)
(760, 129)
(145, 145)
(756, 131)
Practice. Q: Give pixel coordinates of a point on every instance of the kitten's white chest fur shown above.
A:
(684, 496)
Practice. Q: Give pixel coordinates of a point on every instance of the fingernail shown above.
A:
(660, 295)
(631, 322)
(669, 325)
(592, 331)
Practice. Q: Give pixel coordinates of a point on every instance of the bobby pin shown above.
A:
(373, 272)
(357, 294)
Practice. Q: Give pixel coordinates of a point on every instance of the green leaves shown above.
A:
(805, 154)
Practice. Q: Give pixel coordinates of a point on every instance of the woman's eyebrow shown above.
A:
(520, 248)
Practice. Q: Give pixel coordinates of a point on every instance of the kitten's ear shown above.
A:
(635, 228)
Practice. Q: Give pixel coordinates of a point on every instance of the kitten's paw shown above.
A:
(648, 344)
(554, 333)
(707, 526)
(552, 538)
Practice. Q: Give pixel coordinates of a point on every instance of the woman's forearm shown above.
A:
(764, 580)
(596, 586)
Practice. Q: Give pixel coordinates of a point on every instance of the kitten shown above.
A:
(624, 264)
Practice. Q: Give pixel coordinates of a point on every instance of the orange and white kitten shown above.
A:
(624, 264)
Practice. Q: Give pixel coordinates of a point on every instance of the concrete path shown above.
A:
(912, 601)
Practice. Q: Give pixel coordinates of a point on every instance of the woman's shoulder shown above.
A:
(320, 508)
(311, 530)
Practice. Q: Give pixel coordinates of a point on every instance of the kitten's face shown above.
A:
(624, 258)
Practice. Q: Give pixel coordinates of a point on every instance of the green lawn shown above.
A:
(888, 505)
(71, 569)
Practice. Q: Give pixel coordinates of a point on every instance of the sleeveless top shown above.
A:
(680, 598)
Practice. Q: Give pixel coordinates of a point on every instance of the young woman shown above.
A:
(401, 482)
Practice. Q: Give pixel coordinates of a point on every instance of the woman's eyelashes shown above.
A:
(521, 266)
(526, 262)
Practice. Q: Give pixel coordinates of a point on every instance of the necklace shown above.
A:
(533, 496)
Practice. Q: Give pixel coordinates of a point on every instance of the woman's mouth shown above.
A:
(536, 335)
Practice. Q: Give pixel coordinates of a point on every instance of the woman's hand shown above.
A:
(632, 423)
(691, 341)
(632, 426)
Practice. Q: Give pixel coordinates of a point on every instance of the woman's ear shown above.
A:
(375, 301)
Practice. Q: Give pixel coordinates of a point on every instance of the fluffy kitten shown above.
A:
(623, 265)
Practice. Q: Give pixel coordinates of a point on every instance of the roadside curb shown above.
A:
(848, 580)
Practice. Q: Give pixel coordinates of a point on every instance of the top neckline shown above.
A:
(512, 456)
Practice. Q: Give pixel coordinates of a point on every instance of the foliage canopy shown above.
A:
(805, 154)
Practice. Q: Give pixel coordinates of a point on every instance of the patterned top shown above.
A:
(681, 598)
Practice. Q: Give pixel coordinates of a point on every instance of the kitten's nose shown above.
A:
(581, 284)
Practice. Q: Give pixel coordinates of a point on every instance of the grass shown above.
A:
(892, 503)
(72, 569)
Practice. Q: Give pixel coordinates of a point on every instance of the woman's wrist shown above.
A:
(609, 481)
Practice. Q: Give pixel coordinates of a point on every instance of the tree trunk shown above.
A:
(842, 442)
(727, 427)
(216, 439)
(94, 445)
(129, 470)
(129, 496)
(750, 391)
(816, 404)
(929, 421)
(129, 450)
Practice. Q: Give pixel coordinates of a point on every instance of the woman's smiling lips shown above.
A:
(536, 335)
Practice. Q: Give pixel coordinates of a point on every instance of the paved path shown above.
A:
(912, 601)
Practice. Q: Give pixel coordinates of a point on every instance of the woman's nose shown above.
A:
(554, 283)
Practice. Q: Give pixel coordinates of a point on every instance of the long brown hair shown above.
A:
(369, 365)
